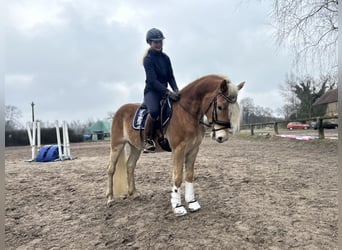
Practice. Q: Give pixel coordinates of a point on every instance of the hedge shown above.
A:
(48, 136)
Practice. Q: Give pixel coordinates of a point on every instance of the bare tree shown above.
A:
(78, 127)
(12, 116)
(300, 93)
(110, 115)
(253, 113)
(292, 102)
(310, 28)
(247, 108)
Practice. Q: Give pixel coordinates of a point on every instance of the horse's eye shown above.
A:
(219, 107)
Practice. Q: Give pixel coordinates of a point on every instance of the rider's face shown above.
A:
(157, 45)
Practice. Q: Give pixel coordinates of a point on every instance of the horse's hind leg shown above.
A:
(113, 159)
(131, 164)
(190, 158)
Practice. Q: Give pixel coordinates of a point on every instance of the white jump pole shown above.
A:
(65, 149)
(38, 136)
(31, 140)
(34, 138)
(66, 140)
(59, 141)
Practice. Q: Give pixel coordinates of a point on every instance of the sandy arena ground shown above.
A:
(255, 193)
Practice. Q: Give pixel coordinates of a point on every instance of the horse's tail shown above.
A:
(120, 176)
(120, 185)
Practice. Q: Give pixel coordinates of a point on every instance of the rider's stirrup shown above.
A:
(149, 146)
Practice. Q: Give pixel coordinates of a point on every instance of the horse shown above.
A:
(209, 101)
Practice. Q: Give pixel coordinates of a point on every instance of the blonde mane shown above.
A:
(201, 85)
(234, 108)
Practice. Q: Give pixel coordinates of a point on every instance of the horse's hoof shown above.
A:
(110, 202)
(135, 195)
(194, 206)
(180, 211)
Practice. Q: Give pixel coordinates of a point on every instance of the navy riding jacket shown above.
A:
(159, 73)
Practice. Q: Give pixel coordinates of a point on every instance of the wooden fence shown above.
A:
(275, 124)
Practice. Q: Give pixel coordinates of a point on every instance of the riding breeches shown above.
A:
(152, 102)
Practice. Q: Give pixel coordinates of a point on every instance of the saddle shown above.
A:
(140, 116)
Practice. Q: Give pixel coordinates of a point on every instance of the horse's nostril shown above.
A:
(221, 139)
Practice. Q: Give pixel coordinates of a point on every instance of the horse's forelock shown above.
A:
(234, 108)
(232, 90)
(234, 114)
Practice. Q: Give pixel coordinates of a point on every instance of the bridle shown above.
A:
(214, 119)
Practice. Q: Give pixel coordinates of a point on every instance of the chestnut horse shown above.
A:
(210, 101)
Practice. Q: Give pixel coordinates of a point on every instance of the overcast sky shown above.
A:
(80, 59)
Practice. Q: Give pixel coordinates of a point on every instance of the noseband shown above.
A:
(214, 119)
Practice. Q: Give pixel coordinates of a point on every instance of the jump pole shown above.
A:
(66, 143)
(67, 140)
(65, 155)
(59, 141)
(34, 133)
(31, 141)
(33, 138)
(38, 136)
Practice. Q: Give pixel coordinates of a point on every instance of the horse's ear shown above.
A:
(240, 85)
(224, 87)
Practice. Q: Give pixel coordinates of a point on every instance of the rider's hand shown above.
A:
(174, 96)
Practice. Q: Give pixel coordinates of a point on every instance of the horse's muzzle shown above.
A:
(221, 139)
(219, 135)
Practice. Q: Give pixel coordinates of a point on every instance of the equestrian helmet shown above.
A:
(154, 35)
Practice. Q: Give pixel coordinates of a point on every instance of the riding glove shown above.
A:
(174, 96)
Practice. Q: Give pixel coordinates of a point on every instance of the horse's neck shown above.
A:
(196, 100)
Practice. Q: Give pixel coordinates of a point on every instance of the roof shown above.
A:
(329, 97)
(99, 126)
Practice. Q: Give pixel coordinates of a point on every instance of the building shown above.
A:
(98, 131)
(331, 99)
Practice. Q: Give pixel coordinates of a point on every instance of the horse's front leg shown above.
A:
(190, 158)
(176, 198)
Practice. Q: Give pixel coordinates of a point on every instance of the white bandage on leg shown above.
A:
(176, 202)
(190, 197)
(176, 197)
(189, 192)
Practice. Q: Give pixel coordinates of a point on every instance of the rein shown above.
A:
(225, 124)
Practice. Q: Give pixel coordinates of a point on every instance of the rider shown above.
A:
(159, 74)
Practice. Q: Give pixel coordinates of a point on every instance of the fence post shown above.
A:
(320, 128)
(252, 129)
(276, 128)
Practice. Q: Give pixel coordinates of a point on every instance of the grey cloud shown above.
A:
(70, 63)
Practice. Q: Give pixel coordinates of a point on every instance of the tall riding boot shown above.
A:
(150, 127)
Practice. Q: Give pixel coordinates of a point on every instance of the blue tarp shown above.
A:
(48, 153)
